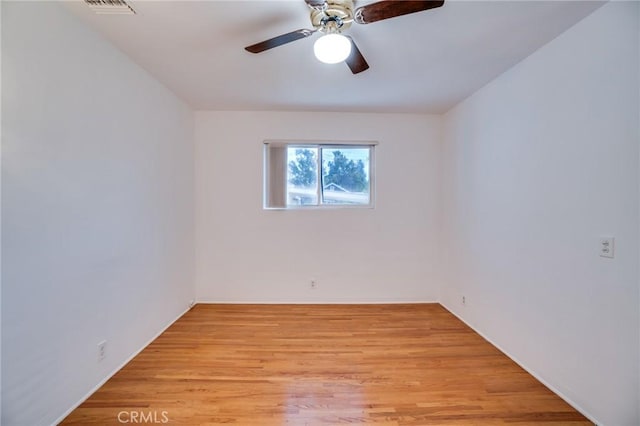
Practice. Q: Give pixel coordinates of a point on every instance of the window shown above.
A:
(299, 175)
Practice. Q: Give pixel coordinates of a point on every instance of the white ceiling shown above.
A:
(424, 62)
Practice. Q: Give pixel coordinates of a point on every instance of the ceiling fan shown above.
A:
(332, 17)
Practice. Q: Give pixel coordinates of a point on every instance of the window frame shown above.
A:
(319, 145)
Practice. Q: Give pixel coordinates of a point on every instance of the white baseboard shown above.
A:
(528, 370)
(316, 302)
(110, 375)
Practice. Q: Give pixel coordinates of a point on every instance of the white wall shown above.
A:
(538, 165)
(247, 254)
(97, 199)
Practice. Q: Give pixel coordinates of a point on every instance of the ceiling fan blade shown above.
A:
(391, 8)
(279, 41)
(356, 61)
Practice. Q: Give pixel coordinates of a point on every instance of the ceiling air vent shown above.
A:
(110, 7)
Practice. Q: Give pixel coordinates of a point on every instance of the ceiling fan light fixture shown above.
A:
(332, 48)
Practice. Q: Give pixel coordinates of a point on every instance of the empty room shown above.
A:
(320, 212)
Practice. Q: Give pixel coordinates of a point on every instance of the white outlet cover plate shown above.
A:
(606, 247)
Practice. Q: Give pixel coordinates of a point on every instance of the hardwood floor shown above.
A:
(322, 365)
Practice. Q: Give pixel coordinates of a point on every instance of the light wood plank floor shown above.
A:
(323, 365)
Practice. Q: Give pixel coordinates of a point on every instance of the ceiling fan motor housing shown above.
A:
(335, 17)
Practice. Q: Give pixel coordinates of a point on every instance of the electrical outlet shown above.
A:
(606, 246)
(464, 300)
(102, 350)
(313, 284)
